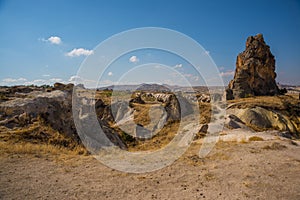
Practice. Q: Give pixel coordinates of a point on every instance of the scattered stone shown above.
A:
(203, 128)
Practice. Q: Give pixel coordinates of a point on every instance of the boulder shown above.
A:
(255, 71)
(61, 86)
(177, 106)
(260, 118)
(233, 122)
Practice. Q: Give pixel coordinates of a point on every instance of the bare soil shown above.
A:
(246, 170)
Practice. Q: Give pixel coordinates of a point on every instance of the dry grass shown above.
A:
(256, 138)
(281, 102)
(141, 116)
(36, 149)
(205, 112)
(158, 141)
(38, 138)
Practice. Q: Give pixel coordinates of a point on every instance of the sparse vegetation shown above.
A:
(256, 138)
(39, 149)
(161, 139)
(38, 136)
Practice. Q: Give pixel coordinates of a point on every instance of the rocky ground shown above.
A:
(233, 170)
(257, 155)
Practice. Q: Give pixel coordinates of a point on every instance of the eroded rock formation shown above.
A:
(54, 108)
(255, 71)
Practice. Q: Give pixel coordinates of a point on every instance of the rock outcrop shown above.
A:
(54, 108)
(255, 71)
(260, 119)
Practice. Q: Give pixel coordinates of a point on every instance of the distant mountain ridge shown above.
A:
(141, 87)
(155, 87)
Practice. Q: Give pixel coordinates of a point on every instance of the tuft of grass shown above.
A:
(255, 138)
(209, 176)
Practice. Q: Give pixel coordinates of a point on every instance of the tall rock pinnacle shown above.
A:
(255, 71)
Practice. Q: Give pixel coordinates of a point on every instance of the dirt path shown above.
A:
(254, 170)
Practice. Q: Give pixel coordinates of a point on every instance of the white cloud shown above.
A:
(75, 79)
(109, 73)
(46, 75)
(79, 52)
(54, 40)
(37, 82)
(88, 83)
(24, 81)
(178, 66)
(44, 81)
(12, 80)
(54, 80)
(133, 59)
(226, 74)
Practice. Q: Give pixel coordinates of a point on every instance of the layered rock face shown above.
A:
(54, 108)
(255, 71)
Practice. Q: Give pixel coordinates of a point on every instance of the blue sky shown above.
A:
(46, 41)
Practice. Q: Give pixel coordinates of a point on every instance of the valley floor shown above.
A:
(245, 170)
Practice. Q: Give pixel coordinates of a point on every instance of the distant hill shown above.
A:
(155, 87)
(141, 87)
(290, 88)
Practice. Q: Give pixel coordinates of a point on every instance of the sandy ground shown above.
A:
(252, 170)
